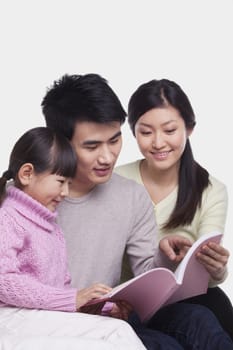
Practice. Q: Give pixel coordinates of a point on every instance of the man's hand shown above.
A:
(94, 309)
(121, 309)
(175, 247)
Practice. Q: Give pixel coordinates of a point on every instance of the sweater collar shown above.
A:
(29, 208)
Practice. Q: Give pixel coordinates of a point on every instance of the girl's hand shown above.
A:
(214, 257)
(175, 247)
(95, 291)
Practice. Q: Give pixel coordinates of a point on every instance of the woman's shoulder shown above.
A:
(216, 183)
(129, 170)
(216, 189)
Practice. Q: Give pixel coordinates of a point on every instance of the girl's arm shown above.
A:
(18, 286)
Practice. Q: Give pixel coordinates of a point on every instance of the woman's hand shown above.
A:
(95, 291)
(175, 247)
(214, 257)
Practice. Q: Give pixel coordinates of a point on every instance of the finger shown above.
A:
(218, 248)
(183, 242)
(124, 315)
(178, 257)
(213, 254)
(209, 262)
(215, 270)
(101, 286)
(125, 306)
(166, 248)
(175, 247)
(116, 311)
(123, 311)
(179, 252)
(92, 309)
(100, 289)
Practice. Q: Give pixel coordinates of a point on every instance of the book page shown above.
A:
(157, 287)
(190, 273)
(147, 292)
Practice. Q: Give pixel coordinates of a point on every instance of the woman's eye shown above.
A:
(171, 131)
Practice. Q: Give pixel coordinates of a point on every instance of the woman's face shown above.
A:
(161, 136)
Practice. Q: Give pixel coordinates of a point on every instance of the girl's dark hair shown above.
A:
(193, 179)
(45, 150)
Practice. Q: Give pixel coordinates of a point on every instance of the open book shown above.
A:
(159, 286)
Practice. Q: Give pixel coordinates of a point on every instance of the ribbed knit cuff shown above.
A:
(63, 300)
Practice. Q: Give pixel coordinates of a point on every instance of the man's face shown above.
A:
(97, 147)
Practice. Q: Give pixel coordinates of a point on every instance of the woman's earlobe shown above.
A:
(25, 173)
(189, 131)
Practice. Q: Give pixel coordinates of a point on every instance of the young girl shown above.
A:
(34, 280)
(187, 200)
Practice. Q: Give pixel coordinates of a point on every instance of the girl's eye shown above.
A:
(61, 180)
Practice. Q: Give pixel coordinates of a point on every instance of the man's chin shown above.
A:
(102, 179)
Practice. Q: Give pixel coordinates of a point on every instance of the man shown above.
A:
(106, 214)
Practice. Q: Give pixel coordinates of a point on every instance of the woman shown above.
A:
(187, 200)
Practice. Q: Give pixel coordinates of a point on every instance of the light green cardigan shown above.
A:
(211, 216)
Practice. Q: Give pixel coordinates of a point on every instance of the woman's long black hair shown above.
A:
(193, 178)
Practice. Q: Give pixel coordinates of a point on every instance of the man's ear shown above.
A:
(25, 173)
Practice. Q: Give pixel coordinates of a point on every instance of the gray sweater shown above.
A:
(98, 228)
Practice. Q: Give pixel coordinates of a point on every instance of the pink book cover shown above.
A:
(155, 288)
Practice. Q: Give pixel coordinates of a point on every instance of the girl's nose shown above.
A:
(65, 189)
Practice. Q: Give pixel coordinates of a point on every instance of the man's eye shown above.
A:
(145, 132)
(114, 141)
(91, 148)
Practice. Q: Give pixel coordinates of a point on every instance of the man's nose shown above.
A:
(105, 156)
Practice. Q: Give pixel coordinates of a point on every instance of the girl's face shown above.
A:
(48, 189)
(161, 136)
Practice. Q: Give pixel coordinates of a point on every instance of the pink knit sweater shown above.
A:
(33, 263)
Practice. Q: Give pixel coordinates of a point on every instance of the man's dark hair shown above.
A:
(77, 98)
